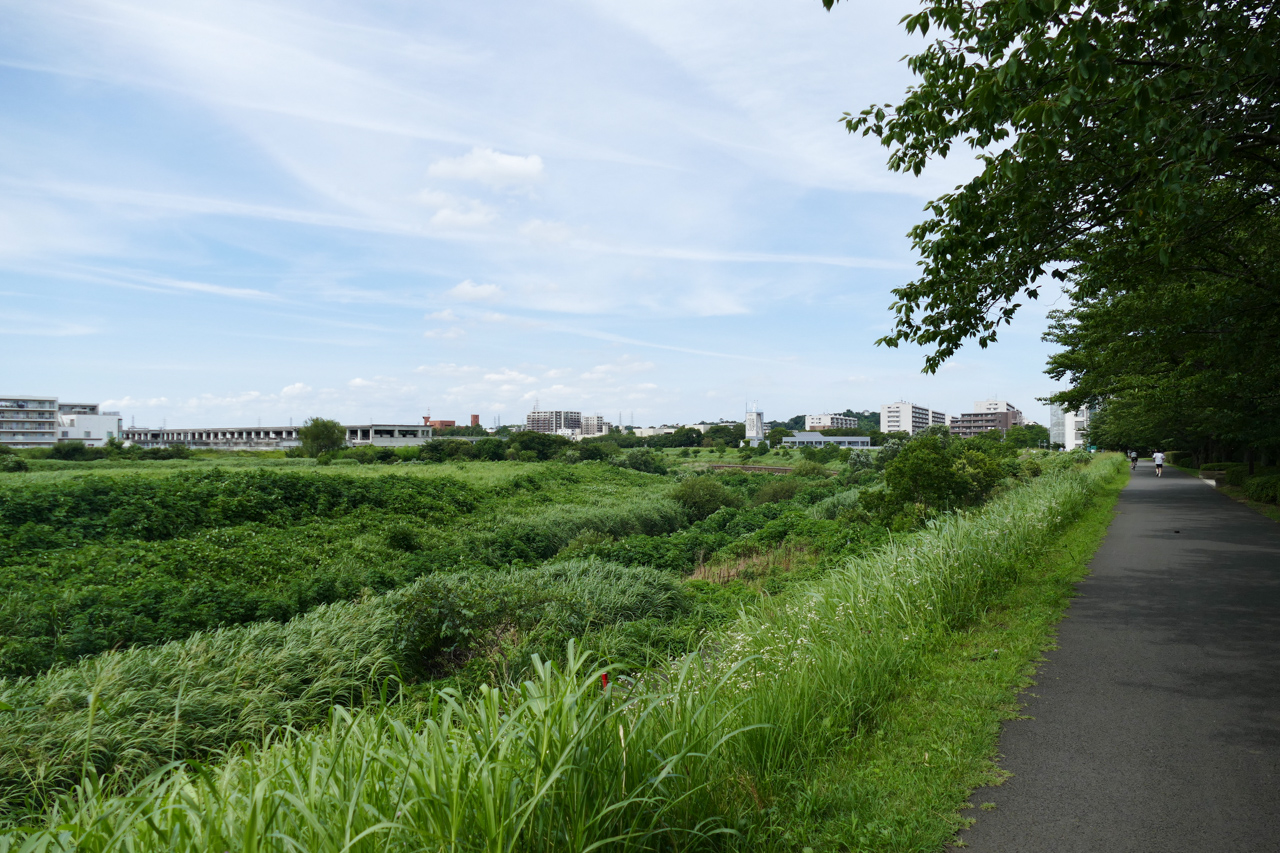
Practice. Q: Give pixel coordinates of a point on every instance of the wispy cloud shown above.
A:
(491, 168)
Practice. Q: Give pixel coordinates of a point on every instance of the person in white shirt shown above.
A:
(1158, 458)
(1133, 460)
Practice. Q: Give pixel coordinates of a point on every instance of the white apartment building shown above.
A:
(27, 421)
(829, 421)
(909, 418)
(86, 423)
(1070, 429)
(553, 421)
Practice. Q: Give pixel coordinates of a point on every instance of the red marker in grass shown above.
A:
(604, 681)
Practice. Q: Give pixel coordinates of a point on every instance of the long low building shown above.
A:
(274, 437)
(817, 439)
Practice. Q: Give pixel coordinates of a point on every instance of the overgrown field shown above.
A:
(156, 618)
(671, 759)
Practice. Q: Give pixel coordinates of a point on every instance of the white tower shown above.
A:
(754, 422)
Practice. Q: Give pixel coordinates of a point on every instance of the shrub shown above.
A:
(1238, 475)
(644, 460)
(701, 496)
(141, 507)
(1265, 489)
(809, 468)
(11, 464)
(778, 489)
(403, 537)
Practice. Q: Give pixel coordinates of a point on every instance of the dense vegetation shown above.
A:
(1128, 148)
(698, 746)
(239, 601)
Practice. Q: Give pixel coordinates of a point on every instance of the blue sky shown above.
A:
(214, 212)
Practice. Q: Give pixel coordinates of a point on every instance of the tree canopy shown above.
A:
(1114, 116)
(321, 435)
(1130, 149)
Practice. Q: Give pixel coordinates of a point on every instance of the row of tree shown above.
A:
(1131, 150)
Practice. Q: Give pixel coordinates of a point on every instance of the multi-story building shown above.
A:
(553, 421)
(274, 438)
(986, 415)
(755, 432)
(43, 422)
(829, 421)
(1069, 429)
(28, 421)
(593, 425)
(909, 418)
(817, 439)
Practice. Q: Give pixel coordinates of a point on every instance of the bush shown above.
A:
(701, 496)
(1238, 475)
(10, 464)
(809, 468)
(149, 508)
(1264, 489)
(778, 489)
(644, 460)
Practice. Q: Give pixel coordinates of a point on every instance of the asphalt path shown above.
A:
(1155, 723)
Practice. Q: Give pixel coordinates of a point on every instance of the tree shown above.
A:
(1149, 123)
(321, 435)
(1179, 354)
(543, 445)
(777, 434)
(702, 496)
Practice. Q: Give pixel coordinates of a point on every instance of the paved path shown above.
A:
(1157, 719)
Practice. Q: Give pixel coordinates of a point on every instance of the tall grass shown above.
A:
(126, 713)
(527, 769)
(558, 764)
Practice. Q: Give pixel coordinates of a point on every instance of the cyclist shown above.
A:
(1158, 458)
(1133, 460)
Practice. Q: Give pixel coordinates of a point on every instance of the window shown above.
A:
(66, 434)
(88, 434)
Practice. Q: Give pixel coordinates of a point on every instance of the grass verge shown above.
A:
(905, 786)
(1271, 511)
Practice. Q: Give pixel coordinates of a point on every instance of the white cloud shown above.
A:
(472, 292)
(361, 383)
(455, 211)
(447, 369)
(545, 232)
(472, 217)
(508, 375)
(489, 167)
(295, 389)
(603, 371)
(451, 332)
(446, 315)
(134, 402)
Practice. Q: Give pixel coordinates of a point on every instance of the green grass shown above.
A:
(1236, 493)
(904, 786)
(738, 738)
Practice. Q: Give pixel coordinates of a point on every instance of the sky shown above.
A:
(221, 213)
